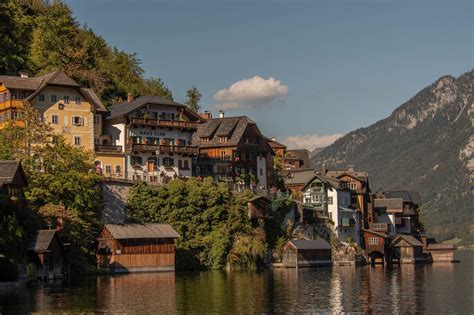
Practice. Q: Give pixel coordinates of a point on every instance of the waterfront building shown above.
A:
(46, 251)
(258, 207)
(124, 248)
(12, 181)
(376, 245)
(306, 253)
(148, 139)
(230, 146)
(70, 108)
(407, 249)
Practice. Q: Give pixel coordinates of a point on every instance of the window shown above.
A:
(373, 241)
(54, 119)
(76, 120)
(167, 161)
(180, 164)
(261, 172)
(223, 155)
(136, 160)
(54, 98)
(329, 200)
(118, 169)
(204, 140)
(353, 185)
(77, 140)
(66, 99)
(96, 141)
(96, 119)
(77, 100)
(222, 139)
(41, 97)
(186, 165)
(108, 169)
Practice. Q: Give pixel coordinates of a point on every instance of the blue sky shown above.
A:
(336, 65)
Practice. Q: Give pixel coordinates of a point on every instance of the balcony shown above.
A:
(347, 222)
(11, 104)
(151, 122)
(162, 148)
(380, 227)
(108, 148)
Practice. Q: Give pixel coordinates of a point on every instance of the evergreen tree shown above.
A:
(193, 96)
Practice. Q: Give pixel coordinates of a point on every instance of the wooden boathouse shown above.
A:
(46, 251)
(125, 248)
(306, 253)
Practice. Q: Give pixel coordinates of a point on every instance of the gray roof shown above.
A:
(408, 238)
(41, 240)
(389, 204)
(310, 244)
(124, 108)
(274, 144)
(11, 172)
(300, 178)
(407, 196)
(363, 176)
(440, 246)
(133, 231)
(90, 95)
(12, 82)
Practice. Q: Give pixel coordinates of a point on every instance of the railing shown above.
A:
(11, 104)
(108, 148)
(152, 122)
(380, 227)
(162, 148)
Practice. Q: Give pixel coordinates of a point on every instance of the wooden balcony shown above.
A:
(380, 227)
(108, 148)
(11, 104)
(162, 148)
(151, 122)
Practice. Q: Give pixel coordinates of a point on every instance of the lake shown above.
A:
(440, 288)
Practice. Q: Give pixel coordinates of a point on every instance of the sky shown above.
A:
(307, 72)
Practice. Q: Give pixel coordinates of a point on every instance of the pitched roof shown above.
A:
(407, 196)
(41, 240)
(11, 82)
(375, 233)
(257, 197)
(300, 178)
(90, 95)
(408, 238)
(362, 176)
(132, 231)
(58, 77)
(275, 144)
(124, 108)
(231, 127)
(440, 246)
(310, 244)
(11, 172)
(389, 204)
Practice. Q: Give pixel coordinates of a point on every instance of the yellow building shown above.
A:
(71, 110)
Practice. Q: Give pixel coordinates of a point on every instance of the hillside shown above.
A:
(427, 145)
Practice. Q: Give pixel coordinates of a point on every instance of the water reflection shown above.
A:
(437, 288)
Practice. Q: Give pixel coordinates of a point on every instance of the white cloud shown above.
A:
(250, 93)
(310, 142)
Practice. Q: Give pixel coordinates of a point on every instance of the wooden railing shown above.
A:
(380, 227)
(162, 148)
(108, 148)
(11, 104)
(152, 122)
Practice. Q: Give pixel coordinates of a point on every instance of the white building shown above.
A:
(155, 135)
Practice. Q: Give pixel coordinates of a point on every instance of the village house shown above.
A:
(258, 207)
(437, 252)
(278, 148)
(330, 198)
(125, 248)
(70, 108)
(306, 253)
(297, 159)
(376, 245)
(12, 181)
(46, 251)
(229, 146)
(148, 139)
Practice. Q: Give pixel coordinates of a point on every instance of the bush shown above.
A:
(8, 270)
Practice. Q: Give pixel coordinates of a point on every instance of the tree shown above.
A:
(193, 96)
(155, 86)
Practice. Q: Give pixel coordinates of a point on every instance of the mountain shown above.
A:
(427, 145)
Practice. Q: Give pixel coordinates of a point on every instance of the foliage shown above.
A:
(247, 250)
(422, 146)
(40, 36)
(12, 247)
(207, 215)
(193, 96)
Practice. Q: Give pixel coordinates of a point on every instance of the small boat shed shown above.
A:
(306, 253)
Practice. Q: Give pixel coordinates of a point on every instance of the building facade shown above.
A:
(148, 139)
(68, 107)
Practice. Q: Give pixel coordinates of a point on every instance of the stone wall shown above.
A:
(115, 196)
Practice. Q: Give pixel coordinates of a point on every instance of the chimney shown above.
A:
(221, 114)
(24, 74)
(206, 115)
(130, 97)
(350, 168)
(323, 171)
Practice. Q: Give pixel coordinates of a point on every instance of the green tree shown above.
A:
(155, 86)
(193, 96)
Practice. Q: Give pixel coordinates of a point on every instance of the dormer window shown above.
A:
(222, 139)
(204, 140)
(66, 99)
(41, 97)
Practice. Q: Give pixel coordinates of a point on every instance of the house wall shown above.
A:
(262, 171)
(442, 255)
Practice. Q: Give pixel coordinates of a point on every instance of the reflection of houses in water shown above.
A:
(151, 292)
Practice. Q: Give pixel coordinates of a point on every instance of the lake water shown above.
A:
(440, 288)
